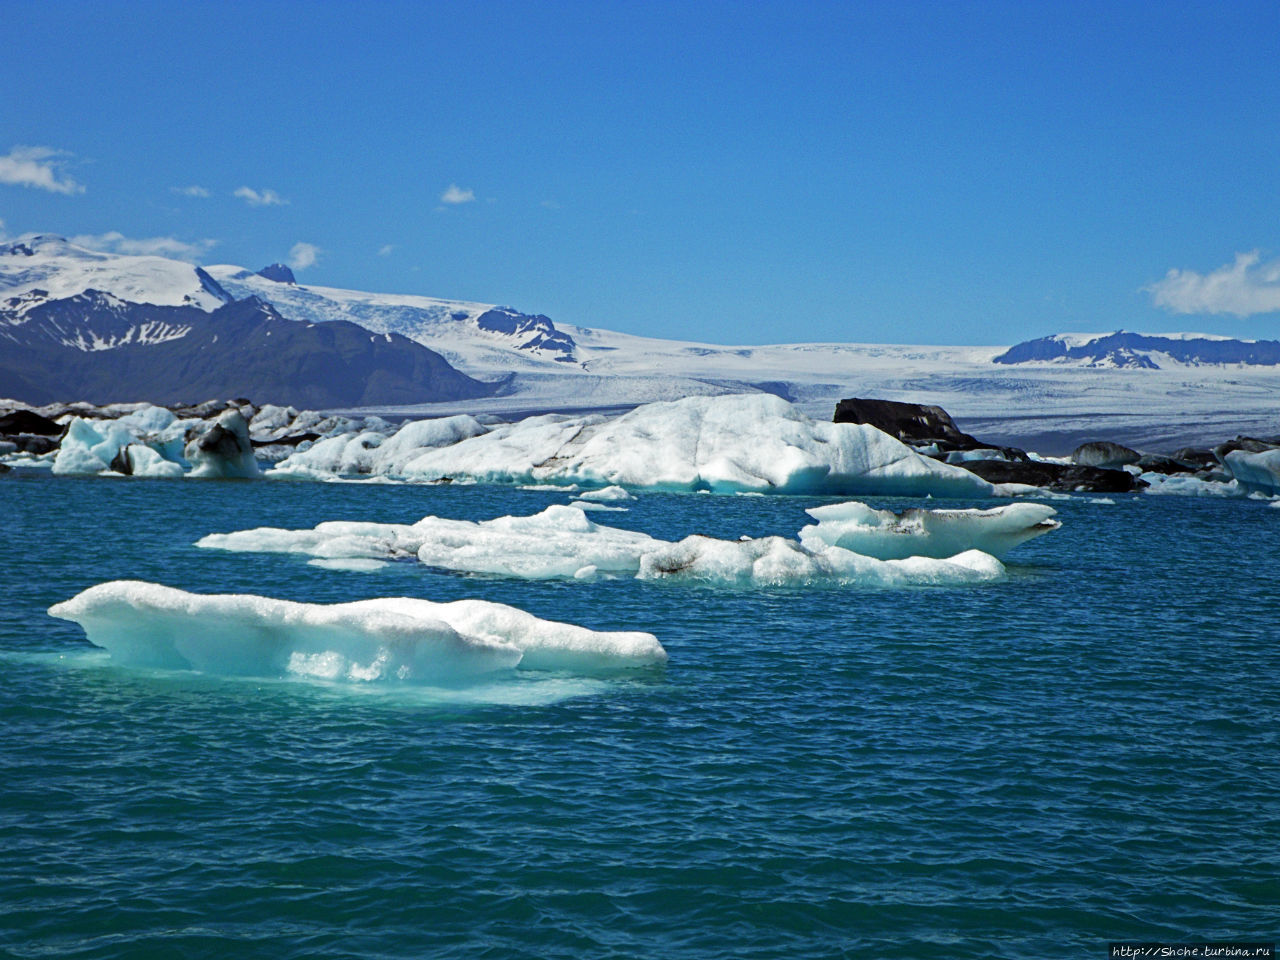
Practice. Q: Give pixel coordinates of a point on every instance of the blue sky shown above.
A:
(751, 172)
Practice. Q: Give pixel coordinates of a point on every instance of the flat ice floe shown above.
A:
(396, 639)
(561, 543)
(727, 444)
(926, 533)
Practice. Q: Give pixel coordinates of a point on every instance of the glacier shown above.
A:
(392, 639)
(562, 543)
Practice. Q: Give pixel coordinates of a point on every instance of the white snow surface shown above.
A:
(926, 533)
(562, 543)
(64, 269)
(394, 639)
(376, 452)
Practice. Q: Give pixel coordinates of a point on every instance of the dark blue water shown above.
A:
(1086, 751)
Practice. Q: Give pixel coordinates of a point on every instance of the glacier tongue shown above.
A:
(397, 639)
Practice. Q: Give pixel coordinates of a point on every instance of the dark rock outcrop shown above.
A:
(1125, 349)
(1104, 453)
(277, 272)
(916, 424)
(29, 422)
(1055, 476)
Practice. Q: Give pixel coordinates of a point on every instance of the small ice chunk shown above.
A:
(607, 495)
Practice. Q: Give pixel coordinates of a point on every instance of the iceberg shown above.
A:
(140, 443)
(561, 543)
(728, 444)
(926, 533)
(398, 639)
(1255, 472)
(224, 450)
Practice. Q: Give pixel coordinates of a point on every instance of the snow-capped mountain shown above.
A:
(1150, 351)
(1045, 394)
(185, 339)
(482, 338)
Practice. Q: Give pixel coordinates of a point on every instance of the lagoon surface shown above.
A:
(1086, 750)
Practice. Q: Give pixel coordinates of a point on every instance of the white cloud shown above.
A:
(192, 191)
(36, 167)
(303, 255)
(1243, 288)
(550, 205)
(383, 251)
(259, 198)
(455, 195)
(116, 242)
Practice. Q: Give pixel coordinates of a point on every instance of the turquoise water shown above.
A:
(1085, 751)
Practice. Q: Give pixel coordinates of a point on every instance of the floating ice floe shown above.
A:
(388, 639)
(926, 533)
(1184, 485)
(561, 543)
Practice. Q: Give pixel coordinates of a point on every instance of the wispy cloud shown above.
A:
(385, 250)
(192, 191)
(303, 255)
(550, 205)
(456, 194)
(116, 242)
(1243, 288)
(37, 167)
(259, 198)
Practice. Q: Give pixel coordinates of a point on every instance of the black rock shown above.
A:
(277, 272)
(1247, 444)
(1169, 466)
(28, 421)
(1104, 453)
(1199, 457)
(1054, 476)
(916, 424)
(290, 441)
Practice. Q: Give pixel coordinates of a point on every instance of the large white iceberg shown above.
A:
(750, 442)
(926, 533)
(388, 639)
(561, 543)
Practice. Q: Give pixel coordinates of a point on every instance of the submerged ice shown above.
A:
(562, 543)
(396, 639)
